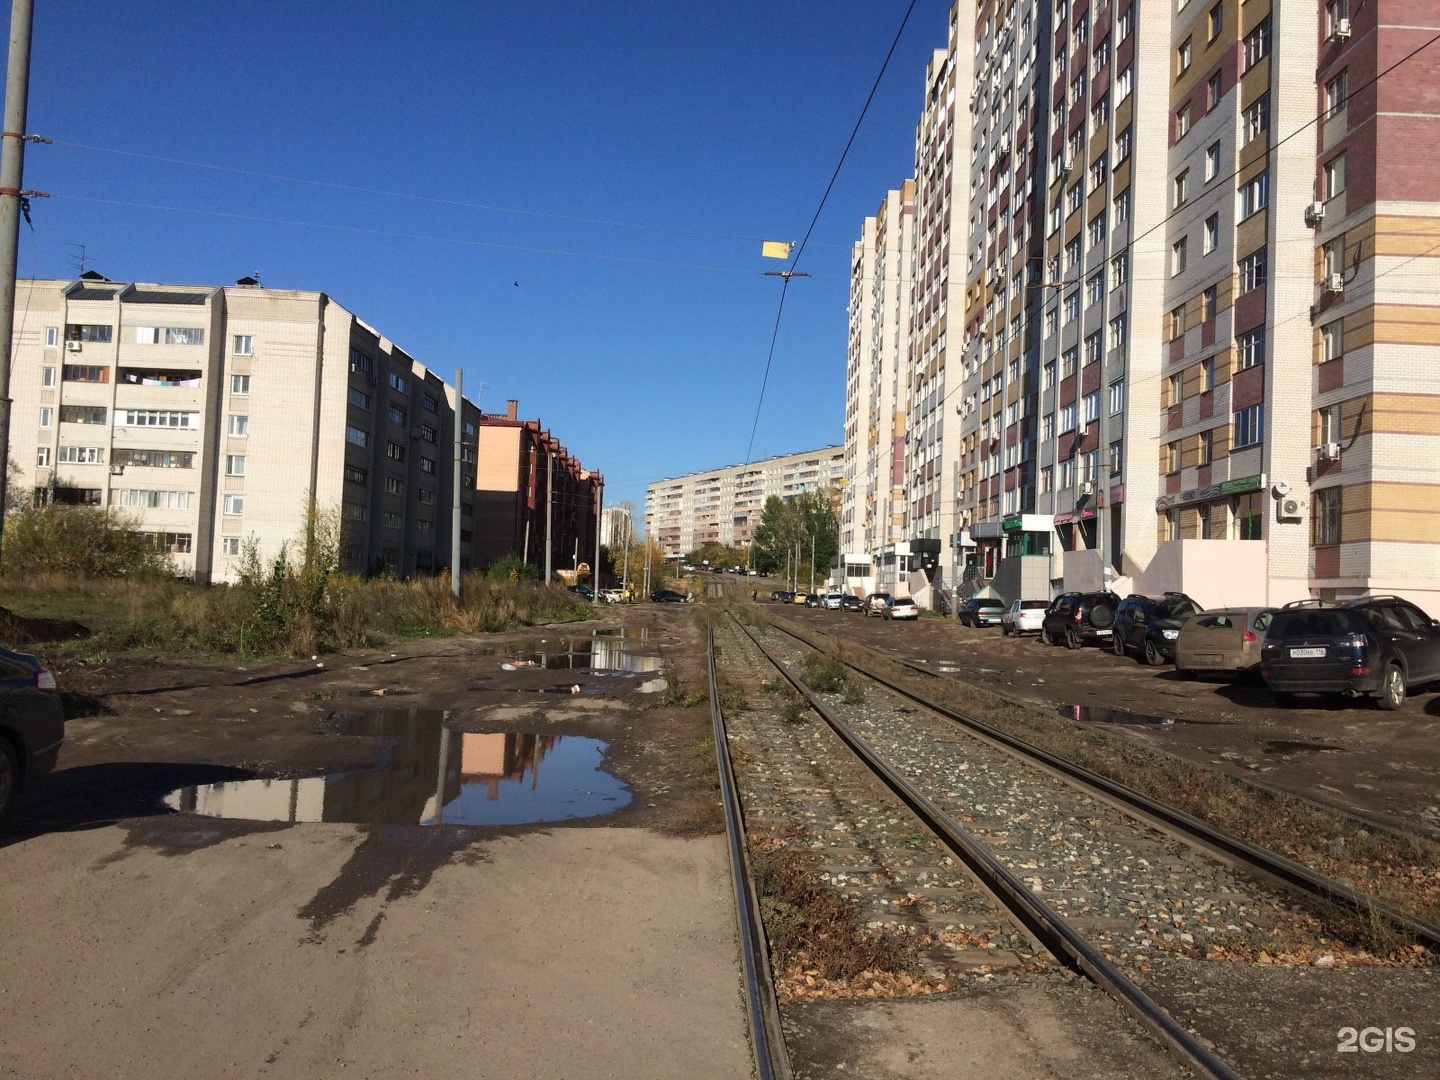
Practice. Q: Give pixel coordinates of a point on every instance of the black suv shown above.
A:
(1078, 618)
(1150, 624)
(1377, 645)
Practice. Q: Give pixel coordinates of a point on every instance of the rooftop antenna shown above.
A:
(79, 257)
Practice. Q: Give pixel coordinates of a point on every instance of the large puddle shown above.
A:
(433, 776)
(623, 653)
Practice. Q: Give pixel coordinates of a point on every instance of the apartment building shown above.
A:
(1199, 315)
(723, 506)
(218, 416)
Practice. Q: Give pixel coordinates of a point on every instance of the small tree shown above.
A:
(81, 542)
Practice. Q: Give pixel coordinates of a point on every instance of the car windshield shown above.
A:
(1178, 607)
(1030, 605)
(1292, 625)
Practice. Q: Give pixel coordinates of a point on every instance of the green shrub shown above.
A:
(80, 542)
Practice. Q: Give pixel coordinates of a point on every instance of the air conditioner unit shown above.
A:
(117, 470)
(73, 346)
(1315, 213)
(1329, 452)
(1342, 30)
(1087, 488)
(1335, 283)
(1288, 509)
(1082, 429)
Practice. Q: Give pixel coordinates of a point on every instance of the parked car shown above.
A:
(1376, 645)
(833, 601)
(1222, 641)
(1079, 618)
(613, 596)
(784, 596)
(981, 611)
(32, 723)
(587, 591)
(899, 607)
(875, 603)
(1150, 625)
(814, 600)
(667, 596)
(851, 602)
(1023, 617)
(799, 597)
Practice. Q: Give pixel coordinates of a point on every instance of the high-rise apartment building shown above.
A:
(723, 506)
(1200, 244)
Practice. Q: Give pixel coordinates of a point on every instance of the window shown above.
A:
(1209, 303)
(239, 384)
(234, 464)
(1074, 198)
(1170, 457)
(1052, 322)
(1212, 162)
(1047, 378)
(356, 475)
(425, 495)
(82, 455)
(42, 457)
(1183, 55)
(52, 337)
(1090, 407)
(1072, 253)
(234, 504)
(394, 451)
(1068, 360)
(166, 418)
(230, 545)
(91, 373)
(1122, 30)
(1255, 195)
(1337, 92)
(1097, 230)
(1257, 117)
(1121, 206)
(1214, 91)
(176, 543)
(239, 425)
(1257, 44)
(1207, 374)
(1117, 397)
(150, 499)
(397, 382)
(1119, 270)
(89, 332)
(392, 520)
(1334, 256)
(1216, 20)
(1119, 327)
(1094, 288)
(359, 399)
(1211, 234)
(1207, 448)
(1174, 389)
(1123, 143)
(1251, 346)
(154, 459)
(1328, 515)
(1093, 348)
(430, 402)
(427, 433)
(1100, 112)
(1124, 83)
(1331, 424)
(1182, 187)
(1332, 343)
(396, 414)
(355, 436)
(47, 417)
(83, 414)
(1177, 256)
(168, 335)
(1116, 458)
(47, 376)
(1067, 418)
(1182, 121)
(242, 345)
(1335, 176)
(1249, 426)
(1253, 270)
(1176, 318)
(394, 485)
(360, 362)
(1072, 307)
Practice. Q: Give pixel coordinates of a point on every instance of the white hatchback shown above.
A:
(1023, 617)
(900, 607)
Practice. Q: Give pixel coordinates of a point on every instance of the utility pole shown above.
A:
(12, 168)
(549, 511)
(599, 509)
(459, 463)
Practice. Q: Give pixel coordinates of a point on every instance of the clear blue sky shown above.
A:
(620, 161)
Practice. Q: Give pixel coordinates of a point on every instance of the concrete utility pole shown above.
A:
(549, 511)
(459, 461)
(12, 168)
(599, 505)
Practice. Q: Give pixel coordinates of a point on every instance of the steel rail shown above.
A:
(1032, 913)
(767, 1040)
(1178, 823)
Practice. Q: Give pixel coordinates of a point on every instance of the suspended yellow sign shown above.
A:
(775, 249)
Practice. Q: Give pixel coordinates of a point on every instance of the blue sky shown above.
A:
(565, 200)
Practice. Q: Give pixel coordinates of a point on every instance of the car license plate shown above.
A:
(1305, 654)
(1102, 633)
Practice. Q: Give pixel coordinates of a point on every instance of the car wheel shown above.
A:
(1152, 654)
(1045, 636)
(1072, 639)
(1004, 630)
(9, 777)
(1392, 689)
(1117, 643)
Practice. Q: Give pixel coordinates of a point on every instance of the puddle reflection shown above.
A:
(433, 776)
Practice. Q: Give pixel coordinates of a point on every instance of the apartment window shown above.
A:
(1116, 458)
(1094, 288)
(1182, 187)
(1047, 480)
(1119, 270)
(234, 504)
(239, 425)
(1122, 144)
(154, 459)
(239, 384)
(1337, 92)
(1067, 418)
(1177, 322)
(1097, 230)
(356, 475)
(1119, 331)
(1257, 44)
(242, 345)
(47, 375)
(1207, 374)
(427, 433)
(429, 402)
(1331, 424)
(1335, 10)
(1182, 121)
(1090, 407)
(1253, 270)
(1047, 377)
(1072, 253)
(101, 335)
(1178, 255)
(354, 512)
(1122, 30)
(1328, 515)
(1117, 397)
(1074, 198)
(1335, 176)
(1214, 91)
(1257, 117)
(396, 414)
(1251, 346)
(1255, 195)
(1333, 256)
(1067, 474)
(1093, 347)
(82, 455)
(234, 464)
(1047, 428)
(1209, 303)
(356, 436)
(360, 362)
(1216, 20)
(80, 414)
(1212, 162)
(1170, 457)
(1099, 169)
(1072, 307)
(1174, 389)
(1068, 359)
(1183, 55)
(427, 465)
(1052, 322)
(394, 485)
(1100, 112)
(1101, 56)
(1121, 207)
(1249, 426)
(42, 457)
(392, 520)
(398, 383)
(1207, 447)
(425, 495)
(1211, 234)
(359, 399)
(230, 545)
(89, 373)
(176, 543)
(52, 337)
(394, 451)
(1332, 341)
(1124, 83)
